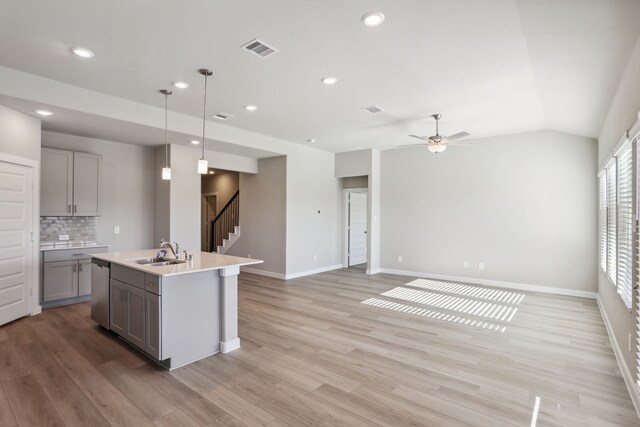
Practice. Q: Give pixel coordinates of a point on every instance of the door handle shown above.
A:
(69, 208)
(75, 209)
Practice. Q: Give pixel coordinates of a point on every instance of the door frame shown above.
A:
(34, 295)
(345, 223)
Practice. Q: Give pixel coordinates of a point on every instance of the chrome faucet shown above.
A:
(165, 244)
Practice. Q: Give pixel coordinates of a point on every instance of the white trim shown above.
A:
(314, 271)
(292, 275)
(262, 272)
(624, 369)
(226, 347)
(375, 271)
(35, 307)
(494, 283)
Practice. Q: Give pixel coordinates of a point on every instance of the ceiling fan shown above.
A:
(438, 143)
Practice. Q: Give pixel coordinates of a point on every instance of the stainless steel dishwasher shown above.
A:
(100, 275)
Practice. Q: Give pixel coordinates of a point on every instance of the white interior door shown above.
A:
(16, 226)
(357, 228)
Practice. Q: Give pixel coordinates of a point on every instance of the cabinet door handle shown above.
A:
(75, 208)
(74, 268)
(69, 208)
(80, 267)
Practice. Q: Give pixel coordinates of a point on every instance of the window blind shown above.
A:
(624, 211)
(611, 220)
(602, 183)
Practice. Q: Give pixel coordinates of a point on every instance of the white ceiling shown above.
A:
(491, 67)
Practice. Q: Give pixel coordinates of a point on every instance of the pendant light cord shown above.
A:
(204, 112)
(166, 147)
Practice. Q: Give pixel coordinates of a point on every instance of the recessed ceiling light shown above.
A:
(44, 112)
(82, 52)
(250, 107)
(211, 172)
(330, 80)
(181, 85)
(311, 140)
(195, 141)
(373, 19)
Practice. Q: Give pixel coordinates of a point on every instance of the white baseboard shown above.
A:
(374, 271)
(292, 275)
(494, 283)
(262, 272)
(624, 369)
(228, 346)
(315, 271)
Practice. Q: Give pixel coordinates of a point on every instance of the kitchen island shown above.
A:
(176, 311)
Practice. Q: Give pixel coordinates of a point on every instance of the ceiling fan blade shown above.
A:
(458, 135)
(413, 145)
(424, 138)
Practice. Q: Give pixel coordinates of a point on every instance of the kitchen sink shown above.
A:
(156, 262)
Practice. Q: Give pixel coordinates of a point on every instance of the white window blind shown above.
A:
(602, 183)
(624, 224)
(611, 220)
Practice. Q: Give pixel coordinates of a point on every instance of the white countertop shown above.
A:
(202, 261)
(56, 246)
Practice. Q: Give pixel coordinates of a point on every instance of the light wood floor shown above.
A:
(313, 354)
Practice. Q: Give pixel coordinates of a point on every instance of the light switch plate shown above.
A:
(466, 264)
(63, 237)
(116, 229)
(481, 266)
(399, 258)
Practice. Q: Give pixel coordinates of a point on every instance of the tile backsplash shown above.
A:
(79, 228)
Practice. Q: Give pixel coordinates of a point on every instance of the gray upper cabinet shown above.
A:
(57, 182)
(71, 183)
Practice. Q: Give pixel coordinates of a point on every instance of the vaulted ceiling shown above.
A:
(491, 67)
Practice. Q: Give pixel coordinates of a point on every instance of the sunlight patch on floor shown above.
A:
(498, 295)
(494, 305)
(433, 314)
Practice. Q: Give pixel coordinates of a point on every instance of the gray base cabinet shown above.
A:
(136, 311)
(60, 280)
(66, 275)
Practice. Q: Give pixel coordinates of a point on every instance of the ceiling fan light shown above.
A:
(437, 148)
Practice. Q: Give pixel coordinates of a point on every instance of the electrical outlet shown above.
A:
(481, 266)
(315, 257)
(116, 229)
(63, 237)
(466, 264)
(399, 258)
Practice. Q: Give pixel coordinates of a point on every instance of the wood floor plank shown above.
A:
(314, 354)
(30, 404)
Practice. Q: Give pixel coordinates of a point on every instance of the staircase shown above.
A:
(225, 228)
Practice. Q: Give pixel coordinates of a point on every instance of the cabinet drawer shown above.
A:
(71, 254)
(128, 275)
(153, 284)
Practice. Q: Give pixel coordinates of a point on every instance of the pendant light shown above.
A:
(203, 165)
(166, 170)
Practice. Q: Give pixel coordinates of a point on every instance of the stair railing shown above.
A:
(225, 222)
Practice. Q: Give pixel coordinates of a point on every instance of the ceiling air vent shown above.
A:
(372, 109)
(222, 116)
(260, 48)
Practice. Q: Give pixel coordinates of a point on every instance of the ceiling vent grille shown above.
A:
(372, 109)
(222, 116)
(260, 48)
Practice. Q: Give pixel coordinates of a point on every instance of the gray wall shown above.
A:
(263, 215)
(162, 202)
(525, 205)
(355, 182)
(314, 215)
(622, 115)
(184, 211)
(128, 188)
(19, 134)
(225, 183)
